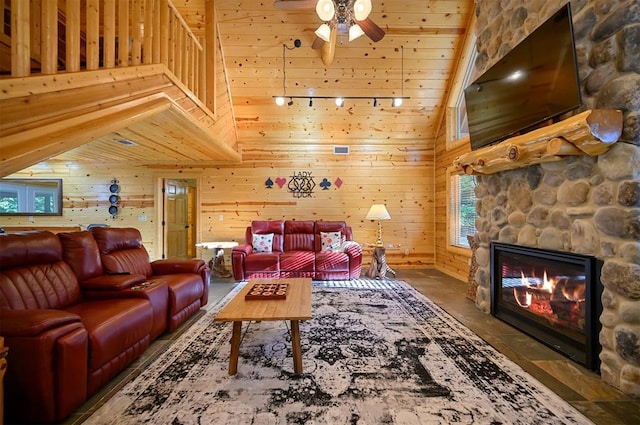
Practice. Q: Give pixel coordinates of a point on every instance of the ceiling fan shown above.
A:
(339, 16)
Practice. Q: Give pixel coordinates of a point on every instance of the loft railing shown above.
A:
(46, 37)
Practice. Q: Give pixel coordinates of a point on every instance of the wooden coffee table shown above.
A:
(295, 307)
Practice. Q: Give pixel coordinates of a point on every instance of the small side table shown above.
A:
(379, 268)
(216, 264)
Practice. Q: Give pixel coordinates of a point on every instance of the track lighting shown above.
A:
(280, 100)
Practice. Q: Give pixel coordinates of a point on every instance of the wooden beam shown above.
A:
(591, 132)
(30, 147)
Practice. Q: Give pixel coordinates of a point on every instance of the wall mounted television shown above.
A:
(535, 82)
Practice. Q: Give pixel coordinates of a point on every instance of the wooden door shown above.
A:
(177, 218)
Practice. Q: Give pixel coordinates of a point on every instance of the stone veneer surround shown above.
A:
(583, 204)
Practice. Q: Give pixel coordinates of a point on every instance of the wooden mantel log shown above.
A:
(591, 132)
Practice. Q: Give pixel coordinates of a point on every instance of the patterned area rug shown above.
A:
(375, 352)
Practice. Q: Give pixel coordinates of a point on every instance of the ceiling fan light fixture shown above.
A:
(355, 31)
(339, 101)
(280, 100)
(361, 9)
(325, 10)
(324, 32)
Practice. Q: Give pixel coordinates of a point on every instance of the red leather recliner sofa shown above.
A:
(297, 252)
(72, 323)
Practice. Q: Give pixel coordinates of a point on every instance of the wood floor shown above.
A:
(582, 388)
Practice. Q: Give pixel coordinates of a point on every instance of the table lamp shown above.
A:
(378, 212)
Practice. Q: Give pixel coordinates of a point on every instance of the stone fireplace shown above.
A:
(582, 204)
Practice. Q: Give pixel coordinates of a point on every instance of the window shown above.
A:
(30, 197)
(457, 124)
(462, 209)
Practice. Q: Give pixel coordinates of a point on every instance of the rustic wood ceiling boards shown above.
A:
(251, 33)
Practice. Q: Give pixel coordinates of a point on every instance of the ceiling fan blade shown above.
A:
(317, 43)
(329, 49)
(294, 4)
(373, 31)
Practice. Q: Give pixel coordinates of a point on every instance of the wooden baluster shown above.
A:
(72, 32)
(173, 37)
(109, 35)
(165, 36)
(93, 34)
(49, 37)
(123, 33)
(20, 39)
(210, 52)
(136, 46)
(149, 32)
(178, 55)
(35, 17)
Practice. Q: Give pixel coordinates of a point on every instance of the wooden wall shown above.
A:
(231, 197)
(451, 260)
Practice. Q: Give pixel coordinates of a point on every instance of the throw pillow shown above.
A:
(331, 240)
(263, 243)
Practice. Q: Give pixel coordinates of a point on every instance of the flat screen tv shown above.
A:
(535, 82)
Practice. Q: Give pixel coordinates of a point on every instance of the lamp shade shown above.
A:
(378, 212)
(324, 32)
(325, 10)
(355, 31)
(361, 9)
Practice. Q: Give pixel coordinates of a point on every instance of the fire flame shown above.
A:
(524, 293)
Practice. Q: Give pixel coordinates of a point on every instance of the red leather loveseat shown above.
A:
(71, 325)
(296, 250)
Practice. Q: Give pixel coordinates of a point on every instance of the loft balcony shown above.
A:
(70, 88)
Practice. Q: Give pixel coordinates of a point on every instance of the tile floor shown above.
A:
(582, 388)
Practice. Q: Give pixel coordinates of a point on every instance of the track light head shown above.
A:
(290, 103)
(279, 100)
(397, 101)
(339, 101)
(310, 101)
(375, 102)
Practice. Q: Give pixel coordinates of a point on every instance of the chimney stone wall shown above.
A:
(583, 204)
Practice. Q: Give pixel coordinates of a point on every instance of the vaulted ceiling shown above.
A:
(416, 58)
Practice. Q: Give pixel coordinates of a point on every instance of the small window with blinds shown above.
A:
(462, 209)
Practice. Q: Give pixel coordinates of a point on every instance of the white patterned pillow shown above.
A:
(331, 241)
(263, 243)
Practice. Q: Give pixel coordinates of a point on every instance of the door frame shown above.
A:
(159, 200)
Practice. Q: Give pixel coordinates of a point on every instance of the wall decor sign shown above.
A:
(301, 184)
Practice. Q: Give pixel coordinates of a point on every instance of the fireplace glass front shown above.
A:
(553, 296)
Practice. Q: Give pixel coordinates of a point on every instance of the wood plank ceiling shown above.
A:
(416, 58)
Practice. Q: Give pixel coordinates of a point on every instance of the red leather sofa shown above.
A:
(297, 251)
(71, 324)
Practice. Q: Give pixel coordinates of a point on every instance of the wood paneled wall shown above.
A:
(399, 176)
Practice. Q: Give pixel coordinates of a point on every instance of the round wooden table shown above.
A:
(216, 264)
